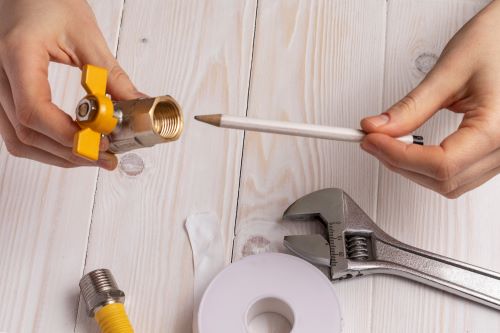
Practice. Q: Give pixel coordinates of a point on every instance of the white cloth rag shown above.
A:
(208, 254)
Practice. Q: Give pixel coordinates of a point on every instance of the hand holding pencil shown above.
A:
(464, 80)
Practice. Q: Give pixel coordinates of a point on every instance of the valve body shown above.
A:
(145, 123)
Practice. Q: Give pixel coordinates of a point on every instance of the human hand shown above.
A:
(32, 33)
(466, 79)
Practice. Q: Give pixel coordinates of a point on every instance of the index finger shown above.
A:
(426, 160)
(27, 71)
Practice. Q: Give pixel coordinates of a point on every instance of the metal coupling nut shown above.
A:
(86, 109)
(145, 122)
(99, 289)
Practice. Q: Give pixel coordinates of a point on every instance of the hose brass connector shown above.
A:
(129, 124)
(105, 301)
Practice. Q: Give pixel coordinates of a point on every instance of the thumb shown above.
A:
(432, 94)
(97, 53)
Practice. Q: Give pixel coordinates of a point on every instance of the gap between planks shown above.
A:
(378, 172)
(79, 299)
(244, 132)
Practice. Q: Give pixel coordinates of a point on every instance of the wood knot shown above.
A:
(131, 164)
(255, 245)
(425, 62)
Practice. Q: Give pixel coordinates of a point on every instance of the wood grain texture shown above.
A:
(44, 221)
(462, 229)
(313, 62)
(200, 53)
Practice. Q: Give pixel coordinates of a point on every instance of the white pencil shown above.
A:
(296, 129)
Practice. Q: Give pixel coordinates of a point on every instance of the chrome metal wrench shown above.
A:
(356, 246)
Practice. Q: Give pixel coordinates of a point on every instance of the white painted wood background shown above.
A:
(326, 62)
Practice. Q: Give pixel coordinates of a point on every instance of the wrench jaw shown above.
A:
(313, 248)
(348, 249)
(326, 252)
(332, 206)
(311, 207)
(316, 249)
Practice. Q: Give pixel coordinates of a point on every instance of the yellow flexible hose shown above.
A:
(113, 319)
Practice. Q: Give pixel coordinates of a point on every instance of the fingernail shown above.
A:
(378, 120)
(369, 148)
(106, 161)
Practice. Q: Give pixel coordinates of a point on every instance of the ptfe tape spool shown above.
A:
(269, 282)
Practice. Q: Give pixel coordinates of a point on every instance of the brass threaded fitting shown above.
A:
(98, 289)
(167, 119)
(145, 122)
(105, 301)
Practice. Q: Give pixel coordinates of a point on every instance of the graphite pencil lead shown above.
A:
(212, 119)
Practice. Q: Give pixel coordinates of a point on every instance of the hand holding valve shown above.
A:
(129, 125)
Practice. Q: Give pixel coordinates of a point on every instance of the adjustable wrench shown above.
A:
(357, 246)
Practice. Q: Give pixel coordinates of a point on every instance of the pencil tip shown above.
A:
(212, 119)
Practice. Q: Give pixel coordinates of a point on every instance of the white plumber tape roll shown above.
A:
(270, 282)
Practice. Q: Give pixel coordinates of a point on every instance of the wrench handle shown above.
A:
(468, 281)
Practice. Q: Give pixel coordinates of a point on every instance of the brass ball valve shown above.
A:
(129, 124)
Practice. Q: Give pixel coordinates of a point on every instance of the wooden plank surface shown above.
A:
(313, 62)
(200, 53)
(462, 229)
(44, 220)
(309, 60)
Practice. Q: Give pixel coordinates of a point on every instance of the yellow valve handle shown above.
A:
(87, 140)
(94, 79)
